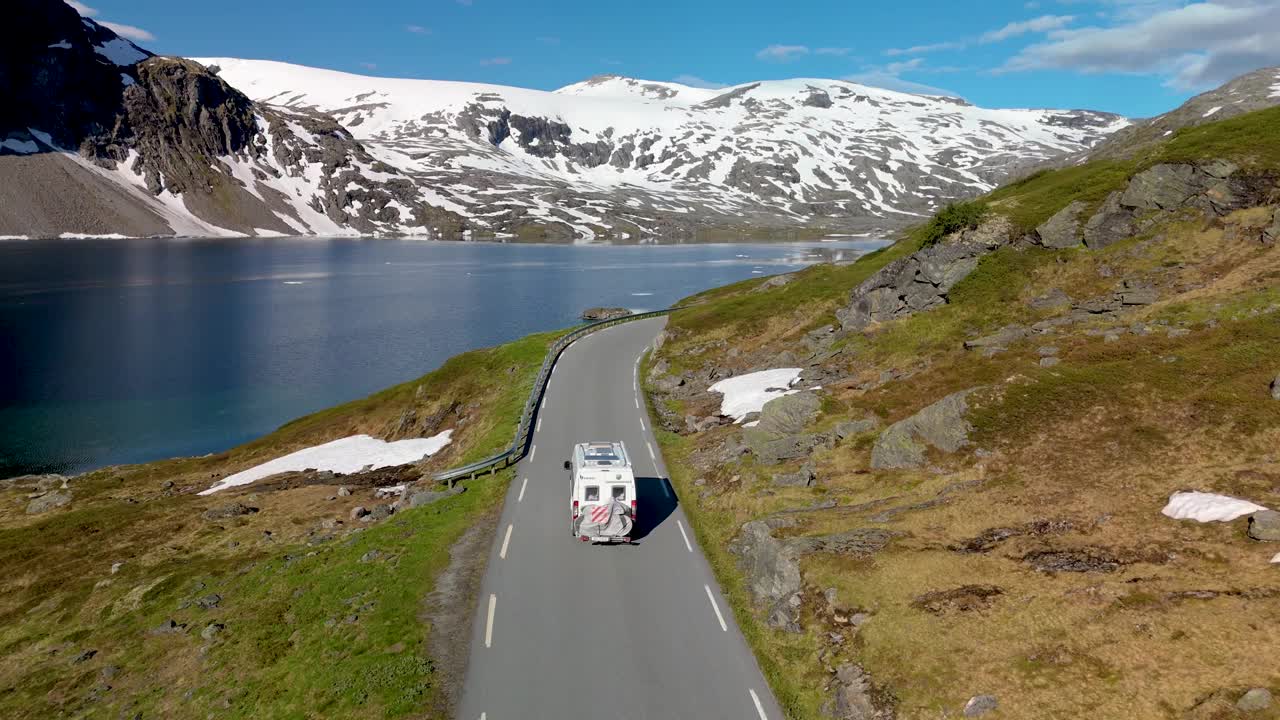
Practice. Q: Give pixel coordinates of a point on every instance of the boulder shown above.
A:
(358, 512)
(1053, 300)
(1002, 338)
(1275, 388)
(379, 512)
(789, 414)
(1110, 224)
(1162, 187)
(776, 281)
(1256, 700)
(600, 314)
(426, 497)
(230, 510)
(1063, 229)
(772, 452)
(1264, 525)
(803, 477)
(1048, 362)
(979, 705)
(941, 425)
(854, 427)
(48, 501)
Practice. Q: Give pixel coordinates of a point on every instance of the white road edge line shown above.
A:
(505, 541)
(637, 402)
(523, 485)
(754, 698)
(651, 455)
(710, 597)
(642, 427)
(684, 535)
(493, 601)
(666, 491)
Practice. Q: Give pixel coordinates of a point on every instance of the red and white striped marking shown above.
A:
(599, 513)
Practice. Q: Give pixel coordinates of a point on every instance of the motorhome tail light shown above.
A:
(575, 508)
(633, 509)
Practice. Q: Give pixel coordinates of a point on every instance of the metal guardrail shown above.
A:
(520, 443)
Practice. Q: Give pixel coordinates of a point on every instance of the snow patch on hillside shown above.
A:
(1208, 507)
(746, 394)
(345, 456)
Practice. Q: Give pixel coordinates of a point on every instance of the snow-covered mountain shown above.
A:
(614, 157)
(100, 137)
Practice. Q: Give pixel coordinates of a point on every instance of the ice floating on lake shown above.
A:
(748, 393)
(1208, 507)
(346, 455)
(641, 294)
(292, 282)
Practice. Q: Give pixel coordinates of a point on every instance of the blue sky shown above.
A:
(1137, 57)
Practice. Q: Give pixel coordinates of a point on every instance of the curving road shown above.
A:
(565, 629)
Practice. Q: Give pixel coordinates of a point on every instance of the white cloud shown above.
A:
(882, 78)
(695, 81)
(1044, 23)
(839, 51)
(782, 53)
(496, 61)
(418, 29)
(922, 49)
(131, 32)
(128, 31)
(1193, 46)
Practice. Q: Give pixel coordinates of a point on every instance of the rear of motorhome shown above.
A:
(602, 493)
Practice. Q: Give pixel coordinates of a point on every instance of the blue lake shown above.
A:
(121, 351)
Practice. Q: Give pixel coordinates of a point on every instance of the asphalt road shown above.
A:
(565, 629)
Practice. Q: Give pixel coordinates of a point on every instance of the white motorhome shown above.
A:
(602, 492)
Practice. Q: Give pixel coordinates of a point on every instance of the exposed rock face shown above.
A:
(1215, 187)
(941, 425)
(923, 279)
(1275, 388)
(779, 434)
(1062, 231)
(1256, 700)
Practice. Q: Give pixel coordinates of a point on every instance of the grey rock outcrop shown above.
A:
(779, 433)
(48, 501)
(1275, 388)
(1256, 700)
(426, 497)
(922, 280)
(1264, 525)
(980, 705)
(1111, 224)
(803, 477)
(597, 314)
(941, 425)
(1063, 229)
(854, 697)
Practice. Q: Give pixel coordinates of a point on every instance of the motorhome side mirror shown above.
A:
(566, 465)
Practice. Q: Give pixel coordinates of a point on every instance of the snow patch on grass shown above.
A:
(748, 393)
(346, 455)
(1208, 507)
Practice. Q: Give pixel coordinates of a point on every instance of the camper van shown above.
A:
(602, 493)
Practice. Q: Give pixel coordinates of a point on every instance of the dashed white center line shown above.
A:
(539, 428)
(524, 484)
(754, 698)
(505, 541)
(684, 535)
(533, 452)
(710, 597)
(544, 402)
(493, 602)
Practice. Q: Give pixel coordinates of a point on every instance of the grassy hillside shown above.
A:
(1033, 564)
(293, 611)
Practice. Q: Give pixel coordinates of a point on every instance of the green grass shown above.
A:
(1034, 199)
(953, 218)
(1252, 140)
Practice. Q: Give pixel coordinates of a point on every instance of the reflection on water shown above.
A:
(126, 351)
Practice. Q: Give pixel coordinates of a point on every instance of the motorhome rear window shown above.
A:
(619, 492)
(593, 492)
